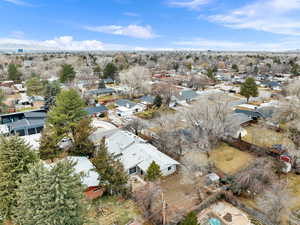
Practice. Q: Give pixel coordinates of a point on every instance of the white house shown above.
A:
(136, 155)
(128, 108)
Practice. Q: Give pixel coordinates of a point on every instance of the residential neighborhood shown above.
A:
(176, 112)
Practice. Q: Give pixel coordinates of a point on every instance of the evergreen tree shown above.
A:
(48, 145)
(51, 91)
(97, 71)
(51, 196)
(211, 74)
(34, 86)
(249, 88)
(153, 172)
(157, 101)
(110, 70)
(295, 69)
(112, 175)
(3, 106)
(190, 219)
(13, 72)
(67, 73)
(235, 67)
(101, 84)
(15, 160)
(65, 115)
(83, 146)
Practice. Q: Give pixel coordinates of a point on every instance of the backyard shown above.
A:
(230, 160)
(111, 210)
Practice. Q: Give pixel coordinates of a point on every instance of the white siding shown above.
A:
(166, 172)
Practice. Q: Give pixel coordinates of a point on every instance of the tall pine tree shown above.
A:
(64, 117)
(15, 159)
(112, 175)
(249, 88)
(51, 196)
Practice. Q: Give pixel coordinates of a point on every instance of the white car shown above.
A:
(65, 143)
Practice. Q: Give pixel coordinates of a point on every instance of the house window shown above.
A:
(39, 129)
(169, 168)
(132, 170)
(20, 132)
(31, 131)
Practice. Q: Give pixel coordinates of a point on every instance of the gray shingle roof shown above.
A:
(125, 103)
(134, 151)
(97, 109)
(148, 99)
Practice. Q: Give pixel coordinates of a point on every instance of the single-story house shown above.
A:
(136, 154)
(89, 177)
(108, 81)
(274, 85)
(253, 114)
(97, 111)
(101, 91)
(147, 100)
(127, 108)
(24, 123)
(186, 96)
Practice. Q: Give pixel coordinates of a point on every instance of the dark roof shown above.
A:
(97, 109)
(187, 95)
(148, 99)
(101, 91)
(108, 81)
(125, 103)
(241, 118)
(267, 111)
(249, 113)
(26, 124)
(35, 115)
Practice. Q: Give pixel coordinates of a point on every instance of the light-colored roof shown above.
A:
(134, 151)
(84, 166)
(33, 140)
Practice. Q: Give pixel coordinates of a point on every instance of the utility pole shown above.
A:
(163, 208)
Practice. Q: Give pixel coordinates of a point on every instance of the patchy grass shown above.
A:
(111, 106)
(108, 98)
(230, 160)
(265, 137)
(111, 210)
(154, 112)
(147, 114)
(294, 189)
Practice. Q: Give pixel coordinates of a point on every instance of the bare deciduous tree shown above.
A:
(275, 201)
(211, 119)
(136, 126)
(137, 80)
(148, 199)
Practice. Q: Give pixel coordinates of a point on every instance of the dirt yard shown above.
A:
(181, 198)
(230, 160)
(110, 210)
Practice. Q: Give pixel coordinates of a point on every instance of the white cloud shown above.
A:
(274, 16)
(205, 44)
(60, 43)
(17, 34)
(131, 14)
(190, 4)
(18, 2)
(143, 32)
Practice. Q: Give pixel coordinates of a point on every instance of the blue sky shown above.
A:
(150, 24)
